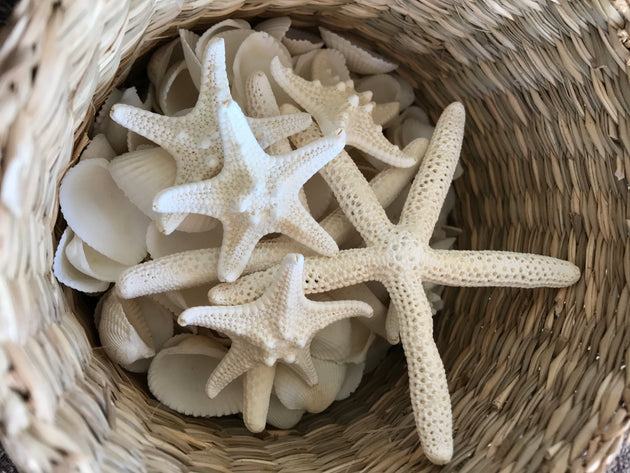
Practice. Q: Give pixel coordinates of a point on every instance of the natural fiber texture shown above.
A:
(538, 378)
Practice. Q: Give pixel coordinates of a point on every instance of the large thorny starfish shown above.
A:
(399, 256)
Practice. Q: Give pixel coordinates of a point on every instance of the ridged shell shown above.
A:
(99, 147)
(333, 343)
(124, 333)
(91, 262)
(178, 374)
(143, 173)
(276, 27)
(189, 42)
(354, 375)
(387, 88)
(358, 59)
(255, 54)
(294, 393)
(100, 214)
(329, 67)
(214, 30)
(177, 91)
(164, 57)
(282, 417)
(160, 245)
(67, 274)
(299, 41)
(303, 64)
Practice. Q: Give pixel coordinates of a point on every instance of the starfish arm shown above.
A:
(214, 87)
(239, 359)
(303, 228)
(257, 385)
(498, 268)
(167, 223)
(270, 130)
(392, 329)
(325, 313)
(153, 126)
(321, 274)
(303, 366)
(234, 321)
(261, 101)
(286, 285)
(205, 197)
(431, 184)
(427, 380)
(177, 271)
(239, 241)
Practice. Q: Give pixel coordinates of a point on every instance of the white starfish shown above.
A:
(279, 326)
(255, 193)
(194, 139)
(196, 267)
(341, 107)
(399, 256)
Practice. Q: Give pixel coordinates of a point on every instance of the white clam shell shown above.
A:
(177, 91)
(329, 67)
(115, 133)
(303, 64)
(99, 147)
(178, 374)
(164, 57)
(294, 393)
(91, 262)
(160, 245)
(354, 375)
(299, 41)
(281, 417)
(141, 174)
(333, 343)
(124, 333)
(255, 54)
(100, 214)
(406, 96)
(276, 27)
(386, 88)
(214, 30)
(358, 59)
(67, 274)
(189, 42)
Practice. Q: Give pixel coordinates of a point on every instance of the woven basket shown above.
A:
(538, 378)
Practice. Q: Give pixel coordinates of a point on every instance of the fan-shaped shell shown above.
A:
(358, 59)
(303, 64)
(233, 39)
(91, 262)
(294, 393)
(143, 173)
(67, 274)
(280, 416)
(299, 41)
(255, 54)
(164, 57)
(333, 343)
(177, 91)
(276, 27)
(99, 147)
(124, 333)
(178, 374)
(354, 375)
(214, 30)
(100, 214)
(329, 67)
(160, 245)
(189, 42)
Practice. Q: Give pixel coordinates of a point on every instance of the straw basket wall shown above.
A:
(538, 378)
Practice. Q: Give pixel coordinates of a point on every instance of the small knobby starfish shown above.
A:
(194, 139)
(399, 256)
(255, 193)
(279, 326)
(340, 106)
(195, 267)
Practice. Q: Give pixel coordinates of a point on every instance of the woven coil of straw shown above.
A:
(537, 378)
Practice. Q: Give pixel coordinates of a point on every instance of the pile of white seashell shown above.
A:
(108, 200)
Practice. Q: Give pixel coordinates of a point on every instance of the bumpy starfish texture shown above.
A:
(195, 267)
(194, 139)
(279, 326)
(341, 107)
(255, 193)
(399, 256)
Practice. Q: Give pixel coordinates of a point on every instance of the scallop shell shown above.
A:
(99, 147)
(354, 375)
(160, 245)
(358, 59)
(100, 214)
(67, 274)
(329, 67)
(303, 64)
(318, 195)
(214, 30)
(255, 54)
(300, 42)
(282, 417)
(115, 133)
(91, 262)
(177, 91)
(124, 334)
(164, 57)
(276, 27)
(189, 41)
(332, 343)
(387, 88)
(294, 393)
(141, 174)
(178, 374)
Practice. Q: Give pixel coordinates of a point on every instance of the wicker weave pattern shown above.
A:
(538, 378)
